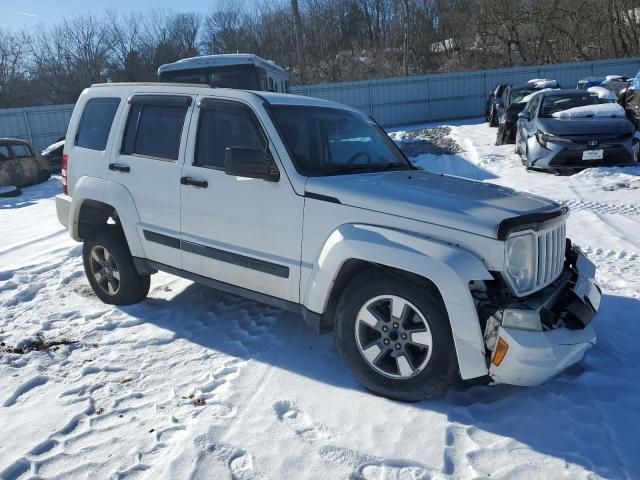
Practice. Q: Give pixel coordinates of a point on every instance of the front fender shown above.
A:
(449, 267)
(113, 194)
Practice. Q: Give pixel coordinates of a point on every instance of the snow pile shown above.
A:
(600, 110)
(603, 93)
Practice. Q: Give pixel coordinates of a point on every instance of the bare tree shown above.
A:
(14, 58)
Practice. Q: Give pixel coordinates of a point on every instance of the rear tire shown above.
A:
(44, 175)
(493, 119)
(419, 331)
(110, 270)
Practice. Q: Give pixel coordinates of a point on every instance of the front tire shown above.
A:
(110, 270)
(396, 338)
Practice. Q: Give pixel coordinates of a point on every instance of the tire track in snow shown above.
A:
(616, 270)
(599, 207)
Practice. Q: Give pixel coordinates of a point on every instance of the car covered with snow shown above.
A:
(574, 129)
(53, 153)
(616, 83)
(588, 82)
(20, 164)
(308, 205)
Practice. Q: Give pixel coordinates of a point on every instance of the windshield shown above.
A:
(557, 103)
(518, 95)
(331, 141)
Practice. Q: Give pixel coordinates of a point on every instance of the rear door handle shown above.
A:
(119, 168)
(194, 182)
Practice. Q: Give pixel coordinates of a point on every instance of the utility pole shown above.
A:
(299, 45)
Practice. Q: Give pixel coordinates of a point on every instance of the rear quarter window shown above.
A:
(95, 123)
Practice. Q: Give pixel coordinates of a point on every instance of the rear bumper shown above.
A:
(534, 356)
(63, 207)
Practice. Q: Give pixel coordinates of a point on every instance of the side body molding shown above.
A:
(450, 268)
(111, 193)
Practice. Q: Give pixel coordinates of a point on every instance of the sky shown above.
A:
(17, 14)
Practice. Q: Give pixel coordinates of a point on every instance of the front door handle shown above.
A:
(194, 182)
(119, 168)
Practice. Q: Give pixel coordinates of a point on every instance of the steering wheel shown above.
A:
(352, 159)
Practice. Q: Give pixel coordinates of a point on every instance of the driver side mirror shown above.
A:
(251, 163)
(524, 115)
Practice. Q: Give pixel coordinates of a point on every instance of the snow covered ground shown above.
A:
(196, 384)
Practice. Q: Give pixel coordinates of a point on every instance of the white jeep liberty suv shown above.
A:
(308, 205)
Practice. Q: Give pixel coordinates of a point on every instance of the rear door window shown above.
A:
(95, 123)
(155, 129)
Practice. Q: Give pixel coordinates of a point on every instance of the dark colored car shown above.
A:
(20, 164)
(598, 134)
(53, 153)
(495, 98)
(513, 105)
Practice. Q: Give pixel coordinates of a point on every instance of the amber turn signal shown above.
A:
(500, 352)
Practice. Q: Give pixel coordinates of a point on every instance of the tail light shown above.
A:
(63, 171)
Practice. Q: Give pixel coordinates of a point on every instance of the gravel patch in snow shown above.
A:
(434, 141)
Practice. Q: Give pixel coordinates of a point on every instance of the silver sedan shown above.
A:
(549, 140)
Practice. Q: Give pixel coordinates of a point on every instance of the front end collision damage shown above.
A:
(534, 338)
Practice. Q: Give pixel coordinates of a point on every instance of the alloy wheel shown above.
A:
(105, 270)
(393, 336)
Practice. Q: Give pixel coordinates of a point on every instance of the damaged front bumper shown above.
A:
(528, 358)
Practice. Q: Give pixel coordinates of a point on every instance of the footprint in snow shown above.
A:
(218, 460)
(300, 423)
(371, 467)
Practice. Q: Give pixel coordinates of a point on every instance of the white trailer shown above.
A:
(243, 71)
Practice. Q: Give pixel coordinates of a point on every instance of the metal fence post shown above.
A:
(430, 116)
(26, 121)
(370, 99)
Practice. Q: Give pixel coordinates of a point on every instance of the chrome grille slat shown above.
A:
(551, 244)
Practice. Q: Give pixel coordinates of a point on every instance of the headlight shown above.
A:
(521, 262)
(544, 138)
(521, 319)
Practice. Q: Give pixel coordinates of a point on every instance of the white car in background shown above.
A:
(308, 205)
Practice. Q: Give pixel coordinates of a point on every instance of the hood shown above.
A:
(444, 200)
(599, 126)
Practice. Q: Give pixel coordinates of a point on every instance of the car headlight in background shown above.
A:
(520, 262)
(544, 138)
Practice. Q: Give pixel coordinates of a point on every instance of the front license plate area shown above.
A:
(593, 154)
